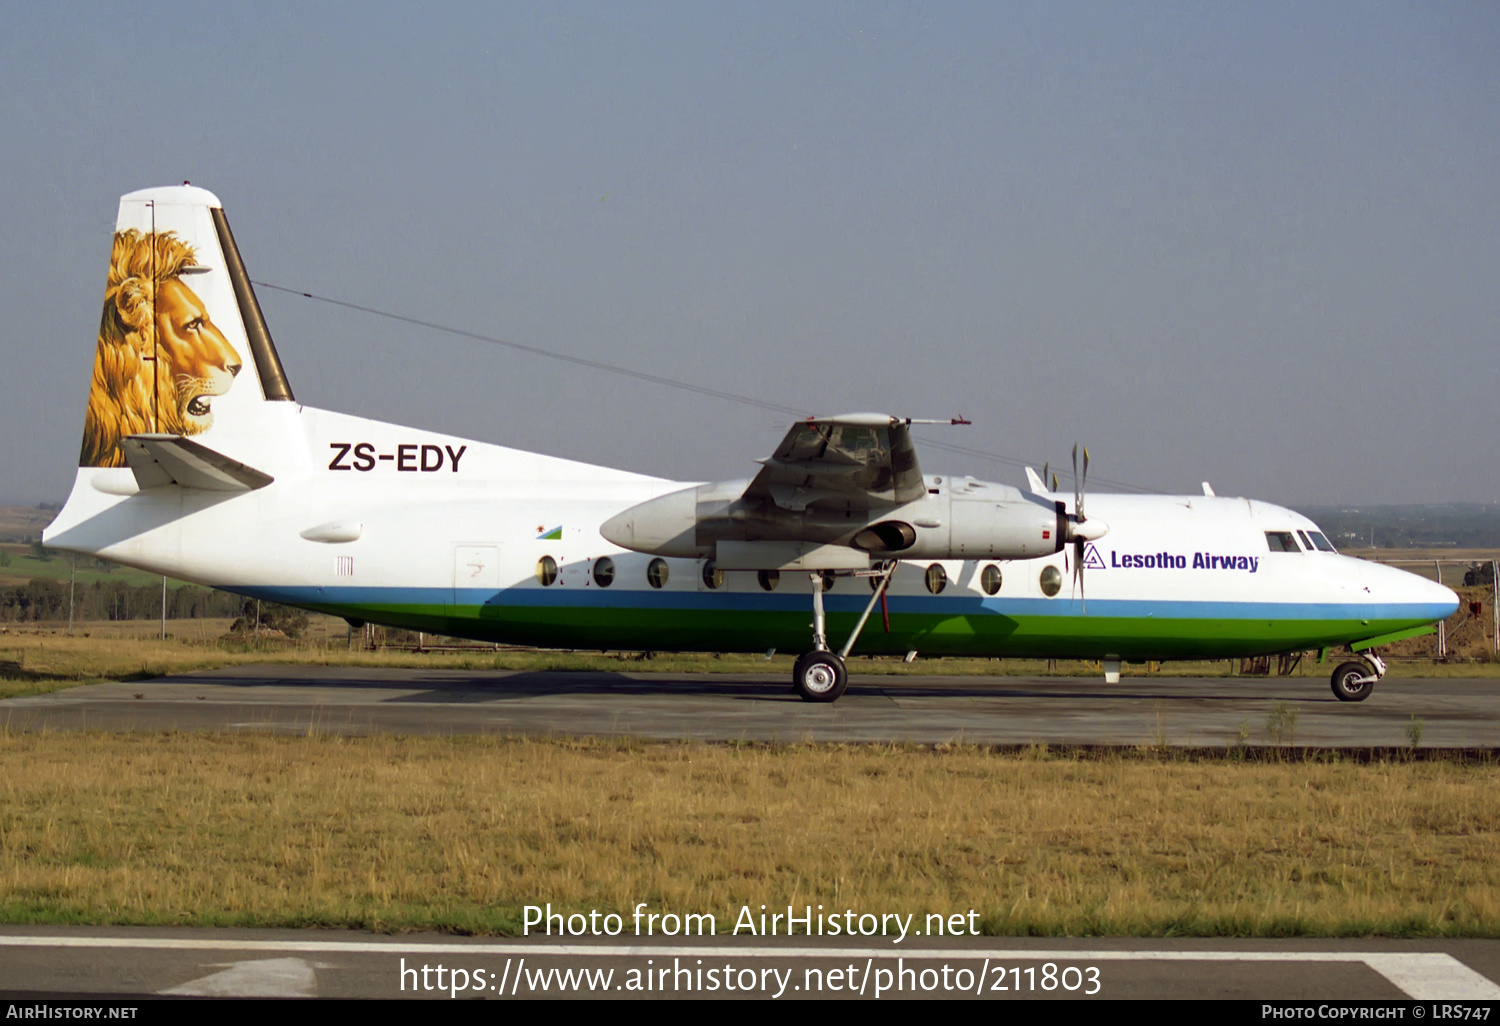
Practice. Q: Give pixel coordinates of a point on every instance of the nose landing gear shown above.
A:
(1353, 681)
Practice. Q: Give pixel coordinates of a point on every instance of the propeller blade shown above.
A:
(1076, 493)
(1084, 488)
(1080, 486)
(1078, 544)
(1047, 475)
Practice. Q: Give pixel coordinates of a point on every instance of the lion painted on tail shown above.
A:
(192, 361)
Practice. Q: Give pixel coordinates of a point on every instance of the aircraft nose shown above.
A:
(1408, 595)
(1437, 601)
(1441, 597)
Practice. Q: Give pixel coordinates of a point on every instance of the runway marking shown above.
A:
(1431, 978)
(261, 977)
(1423, 975)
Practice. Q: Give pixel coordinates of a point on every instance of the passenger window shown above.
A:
(604, 571)
(657, 573)
(1051, 581)
(1321, 542)
(546, 571)
(1281, 541)
(769, 579)
(829, 577)
(989, 579)
(937, 578)
(713, 577)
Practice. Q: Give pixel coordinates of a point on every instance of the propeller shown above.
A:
(1081, 532)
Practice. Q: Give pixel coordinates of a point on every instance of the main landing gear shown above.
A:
(1353, 681)
(820, 675)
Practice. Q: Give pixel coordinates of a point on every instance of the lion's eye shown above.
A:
(196, 324)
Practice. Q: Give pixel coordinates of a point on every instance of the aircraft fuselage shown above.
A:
(407, 528)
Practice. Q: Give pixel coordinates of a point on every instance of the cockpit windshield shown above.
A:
(1321, 543)
(1281, 541)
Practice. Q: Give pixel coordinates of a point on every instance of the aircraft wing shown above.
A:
(854, 461)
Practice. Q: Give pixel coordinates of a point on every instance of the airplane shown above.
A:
(198, 463)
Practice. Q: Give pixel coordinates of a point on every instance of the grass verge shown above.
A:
(405, 833)
(35, 662)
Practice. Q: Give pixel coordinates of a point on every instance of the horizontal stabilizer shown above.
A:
(159, 460)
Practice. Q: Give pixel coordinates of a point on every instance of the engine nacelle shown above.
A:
(982, 528)
(664, 526)
(968, 520)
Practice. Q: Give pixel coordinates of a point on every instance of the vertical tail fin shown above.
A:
(182, 348)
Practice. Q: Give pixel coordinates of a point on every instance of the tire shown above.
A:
(1347, 685)
(820, 677)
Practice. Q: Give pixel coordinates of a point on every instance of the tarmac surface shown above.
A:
(1176, 711)
(75, 964)
(72, 965)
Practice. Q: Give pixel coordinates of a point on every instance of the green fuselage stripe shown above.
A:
(937, 633)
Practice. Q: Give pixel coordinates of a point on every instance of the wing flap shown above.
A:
(158, 460)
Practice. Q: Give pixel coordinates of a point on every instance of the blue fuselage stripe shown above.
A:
(957, 605)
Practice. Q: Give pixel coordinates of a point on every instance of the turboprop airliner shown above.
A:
(198, 462)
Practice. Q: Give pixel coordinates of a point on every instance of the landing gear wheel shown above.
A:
(820, 677)
(1351, 682)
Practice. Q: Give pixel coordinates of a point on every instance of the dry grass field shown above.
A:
(396, 834)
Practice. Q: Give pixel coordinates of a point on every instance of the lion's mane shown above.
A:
(120, 399)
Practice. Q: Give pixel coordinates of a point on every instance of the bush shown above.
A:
(273, 617)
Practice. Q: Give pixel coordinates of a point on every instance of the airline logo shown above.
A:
(1169, 561)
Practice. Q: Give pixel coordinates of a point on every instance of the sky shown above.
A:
(1254, 244)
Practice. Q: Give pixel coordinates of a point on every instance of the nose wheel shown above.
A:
(1353, 682)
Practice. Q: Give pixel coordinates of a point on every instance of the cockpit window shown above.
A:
(1281, 541)
(1306, 541)
(1321, 543)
